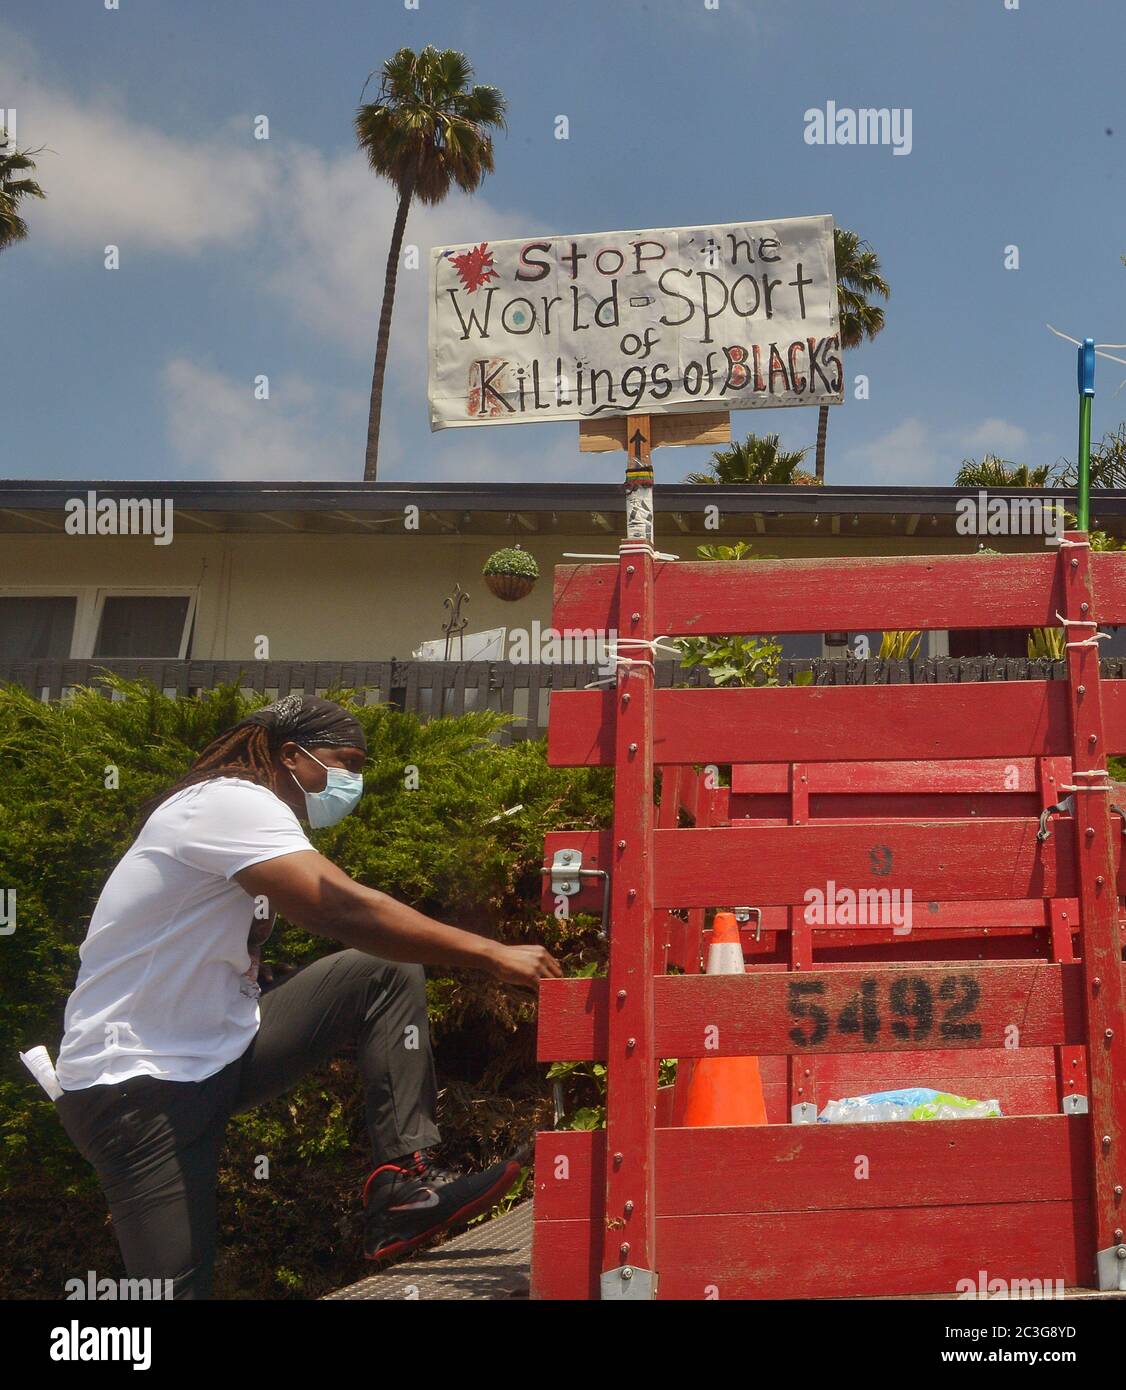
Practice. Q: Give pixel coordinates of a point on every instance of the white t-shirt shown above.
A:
(167, 985)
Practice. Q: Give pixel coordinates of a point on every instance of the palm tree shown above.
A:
(757, 459)
(12, 189)
(858, 277)
(428, 130)
(998, 472)
(1108, 462)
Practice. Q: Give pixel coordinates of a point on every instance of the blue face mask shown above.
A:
(341, 795)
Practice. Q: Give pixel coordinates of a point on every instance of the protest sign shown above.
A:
(652, 322)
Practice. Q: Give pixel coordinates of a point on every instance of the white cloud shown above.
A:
(338, 219)
(110, 179)
(995, 436)
(913, 453)
(218, 429)
(906, 455)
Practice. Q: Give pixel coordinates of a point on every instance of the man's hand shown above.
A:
(525, 966)
(270, 974)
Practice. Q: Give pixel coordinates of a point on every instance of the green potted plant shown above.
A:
(510, 573)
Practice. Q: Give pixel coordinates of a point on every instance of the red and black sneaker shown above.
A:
(411, 1200)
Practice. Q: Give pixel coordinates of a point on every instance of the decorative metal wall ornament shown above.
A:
(455, 625)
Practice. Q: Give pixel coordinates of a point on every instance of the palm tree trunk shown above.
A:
(822, 431)
(375, 410)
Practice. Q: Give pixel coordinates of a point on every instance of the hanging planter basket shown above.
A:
(511, 573)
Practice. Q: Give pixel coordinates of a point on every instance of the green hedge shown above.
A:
(445, 847)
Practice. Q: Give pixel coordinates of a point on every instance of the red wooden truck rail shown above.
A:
(1009, 983)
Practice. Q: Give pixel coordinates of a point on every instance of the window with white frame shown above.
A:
(144, 625)
(54, 623)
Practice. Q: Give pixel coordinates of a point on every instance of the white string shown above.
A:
(1068, 338)
(1096, 772)
(1090, 641)
(649, 644)
(619, 662)
(1075, 622)
(652, 644)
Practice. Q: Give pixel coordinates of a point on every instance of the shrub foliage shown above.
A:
(431, 830)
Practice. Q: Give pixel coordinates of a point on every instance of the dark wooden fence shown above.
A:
(434, 688)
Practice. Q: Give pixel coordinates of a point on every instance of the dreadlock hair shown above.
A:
(243, 751)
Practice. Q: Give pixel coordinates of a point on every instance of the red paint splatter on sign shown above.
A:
(475, 267)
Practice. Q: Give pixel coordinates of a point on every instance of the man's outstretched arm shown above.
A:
(312, 892)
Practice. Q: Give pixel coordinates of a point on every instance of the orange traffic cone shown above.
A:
(725, 1090)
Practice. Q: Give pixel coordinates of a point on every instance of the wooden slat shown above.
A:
(1003, 776)
(951, 861)
(600, 435)
(708, 598)
(866, 1253)
(830, 723)
(773, 1168)
(914, 1007)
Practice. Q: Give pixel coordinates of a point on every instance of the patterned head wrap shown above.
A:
(309, 722)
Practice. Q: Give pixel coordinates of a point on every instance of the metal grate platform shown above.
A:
(489, 1261)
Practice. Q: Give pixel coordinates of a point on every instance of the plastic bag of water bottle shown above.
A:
(912, 1103)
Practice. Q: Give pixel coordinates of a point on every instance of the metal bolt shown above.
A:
(1109, 1034)
(635, 617)
(1099, 881)
(632, 894)
(621, 844)
(1082, 688)
(627, 1273)
(633, 748)
(1075, 564)
(1096, 983)
(631, 1043)
(1106, 1141)
(621, 996)
(1121, 1252)
(1089, 831)
(1092, 739)
(1084, 608)
(629, 569)
(625, 699)
(628, 1209)
(623, 1249)
(617, 1158)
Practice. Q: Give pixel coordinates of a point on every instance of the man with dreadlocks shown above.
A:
(169, 1032)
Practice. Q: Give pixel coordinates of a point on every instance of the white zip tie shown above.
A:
(1095, 772)
(650, 644)
(1065, 544)
(620, 661)
(644, 548)
(628, 550)
(1075, 622)
(1090, 641)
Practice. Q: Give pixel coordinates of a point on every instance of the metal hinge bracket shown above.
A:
(629, 1281)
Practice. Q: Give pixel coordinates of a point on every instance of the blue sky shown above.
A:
(242, 257)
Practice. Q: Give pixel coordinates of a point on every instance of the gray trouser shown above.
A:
(155, 1144)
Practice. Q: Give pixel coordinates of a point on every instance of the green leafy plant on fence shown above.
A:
(733, 661)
